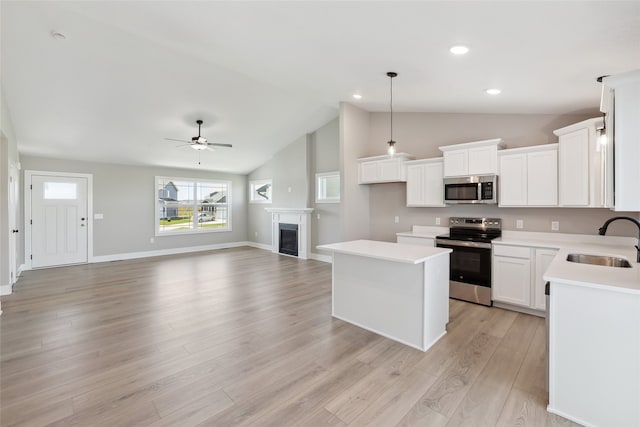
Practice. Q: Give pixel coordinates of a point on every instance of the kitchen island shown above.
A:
(398, 291)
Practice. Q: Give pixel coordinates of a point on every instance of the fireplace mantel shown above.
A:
(299, 216)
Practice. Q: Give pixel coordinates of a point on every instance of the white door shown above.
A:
(13, 224)
(59, 220)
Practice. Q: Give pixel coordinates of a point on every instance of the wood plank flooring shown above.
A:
(245, 337)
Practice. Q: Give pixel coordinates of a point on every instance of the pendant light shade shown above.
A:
(391, 150)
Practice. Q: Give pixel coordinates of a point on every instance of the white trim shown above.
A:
(259, 182)
(327, 199)
(21, 268)
(526, 310)
(6, 289)
(321, 257)
(28, 174)
(259, 246)
(162, 252)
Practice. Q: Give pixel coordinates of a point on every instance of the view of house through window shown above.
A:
(192, 206)
(260, 191)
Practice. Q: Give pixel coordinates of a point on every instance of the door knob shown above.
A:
(82, 219)
(16, 231)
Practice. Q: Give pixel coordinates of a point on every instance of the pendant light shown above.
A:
(602, 130)
(391, 143)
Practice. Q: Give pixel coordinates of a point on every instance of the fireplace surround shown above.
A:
(299, 217)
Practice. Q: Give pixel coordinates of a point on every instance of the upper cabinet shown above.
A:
(380, 169)
(623, 122)
(582, 163)
(471, 158)
(529, 176)
(424, 183)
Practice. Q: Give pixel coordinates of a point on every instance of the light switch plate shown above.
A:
(437, 220)
(519, 223)
(98, 216)
(396, 219)
(555, 225)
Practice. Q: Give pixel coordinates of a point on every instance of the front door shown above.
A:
(59, 220)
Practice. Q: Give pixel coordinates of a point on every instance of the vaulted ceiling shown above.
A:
(261, 74)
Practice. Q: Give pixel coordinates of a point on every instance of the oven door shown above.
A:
(469, 270)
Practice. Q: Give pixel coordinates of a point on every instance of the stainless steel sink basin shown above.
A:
(607, 261)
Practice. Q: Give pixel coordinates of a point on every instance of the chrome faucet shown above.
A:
(602, 230)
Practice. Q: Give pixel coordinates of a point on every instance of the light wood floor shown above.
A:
(245, 337)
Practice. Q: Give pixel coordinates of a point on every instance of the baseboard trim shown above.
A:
(259, 246)
(162, 252)
(21, 268)
(525, 310)
(322, 257)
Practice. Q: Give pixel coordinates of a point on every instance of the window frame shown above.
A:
(194, 182)
(319, 177)
(253, 184)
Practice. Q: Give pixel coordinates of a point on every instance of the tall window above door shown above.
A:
(186, 206)
(260, 191)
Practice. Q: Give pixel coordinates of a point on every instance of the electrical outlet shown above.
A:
(519, 223)
(256, 234)
(318, 216)
(396, 219)
(555, 225)
(152, 240)
(437, 220)
(289, 189)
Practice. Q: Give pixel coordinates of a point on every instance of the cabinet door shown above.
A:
(483, 160)
(542, 178)
(513, 180)
(390, 170)
(433, 184)
(418, 241)
(368, 172)
(543, 260)
(512, 280)
(573, 168)
(456, 163)
(415, 185)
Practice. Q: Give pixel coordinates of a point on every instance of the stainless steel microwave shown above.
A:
(471, 189)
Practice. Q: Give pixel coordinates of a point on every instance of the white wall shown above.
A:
(354, 143)
(126, 195)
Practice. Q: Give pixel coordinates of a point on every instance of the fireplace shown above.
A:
(300, 218)
(288, 239)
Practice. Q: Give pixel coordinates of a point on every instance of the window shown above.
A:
(328, 187)
(60, 190)
(260, 191)
(187, 205)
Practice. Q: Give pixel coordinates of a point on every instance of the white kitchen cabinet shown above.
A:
(581, 165)
(471, 158)
(425, 183)
(419, 241)
(512, 275)
(381, 169)
(623, 124)
(529, 176)
(543, 260)
(517, 276)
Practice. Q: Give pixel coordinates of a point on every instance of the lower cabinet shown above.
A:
(517, 275)
(418, 241)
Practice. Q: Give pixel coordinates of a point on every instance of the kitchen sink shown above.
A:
(607, 261)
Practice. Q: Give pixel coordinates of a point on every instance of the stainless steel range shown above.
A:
(470, 265)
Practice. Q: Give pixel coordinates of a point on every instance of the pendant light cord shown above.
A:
(391, 107)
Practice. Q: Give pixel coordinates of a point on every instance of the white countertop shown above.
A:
(424, 231)
(560, 270)
(388, 251)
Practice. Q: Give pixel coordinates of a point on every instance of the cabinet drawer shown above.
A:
(512, 251)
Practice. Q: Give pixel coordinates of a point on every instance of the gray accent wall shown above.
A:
(289, 171)
(420, 134)
(126, 196)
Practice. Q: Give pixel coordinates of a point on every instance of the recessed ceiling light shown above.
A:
(459, 49)
(493, 91)
(58, 35)
(357, 96)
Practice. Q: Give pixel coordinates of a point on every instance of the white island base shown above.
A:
(398, 291)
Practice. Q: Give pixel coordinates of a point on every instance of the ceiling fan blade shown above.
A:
(182, 145)
(211, 149)
(215, 144)
(178, 140)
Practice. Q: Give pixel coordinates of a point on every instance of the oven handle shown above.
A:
(463, 243)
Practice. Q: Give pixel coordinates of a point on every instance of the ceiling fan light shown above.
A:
(199, 147)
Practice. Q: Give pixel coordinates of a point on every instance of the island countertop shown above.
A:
(388, 251)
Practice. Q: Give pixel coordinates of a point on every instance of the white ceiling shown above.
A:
(261, 74)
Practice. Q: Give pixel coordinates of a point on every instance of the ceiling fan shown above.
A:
(200, 142)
